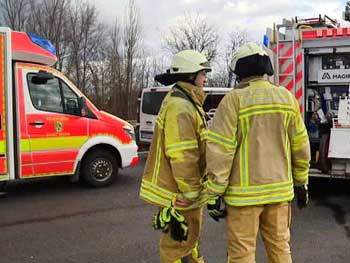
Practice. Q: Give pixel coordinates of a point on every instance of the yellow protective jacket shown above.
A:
(176, 160)
(257, 147)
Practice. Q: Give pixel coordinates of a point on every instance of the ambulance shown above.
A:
(47, 126)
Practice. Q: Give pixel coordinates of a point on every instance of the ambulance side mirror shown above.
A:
(42, 77)
(84, 109)
(73, 107)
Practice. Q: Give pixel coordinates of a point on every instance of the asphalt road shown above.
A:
(56, 221)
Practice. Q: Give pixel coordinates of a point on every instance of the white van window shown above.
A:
(151, 102)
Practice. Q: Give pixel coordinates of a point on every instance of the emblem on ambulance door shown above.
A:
(58, 126)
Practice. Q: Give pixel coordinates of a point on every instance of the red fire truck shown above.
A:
(312, 59)
(47, 126)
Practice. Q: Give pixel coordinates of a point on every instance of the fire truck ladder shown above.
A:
(285, 53)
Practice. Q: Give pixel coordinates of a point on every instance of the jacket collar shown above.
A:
(195, 92)
(252, 78)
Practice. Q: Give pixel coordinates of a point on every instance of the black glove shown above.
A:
(302, 196)
(168, 217)
(214, 207)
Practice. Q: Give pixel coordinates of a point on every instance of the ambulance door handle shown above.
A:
(148, 122)
(37, 123)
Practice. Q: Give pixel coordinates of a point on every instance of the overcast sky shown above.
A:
(252, 15)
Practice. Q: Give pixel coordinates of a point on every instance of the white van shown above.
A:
(151, 100)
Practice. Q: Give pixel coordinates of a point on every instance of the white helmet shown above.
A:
(251, 59)
(184, 64)
(188, 61)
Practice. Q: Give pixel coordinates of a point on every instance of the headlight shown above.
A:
(130, 131)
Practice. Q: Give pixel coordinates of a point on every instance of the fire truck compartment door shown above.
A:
(339, 146)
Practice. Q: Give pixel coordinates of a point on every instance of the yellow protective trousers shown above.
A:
(243, 224)
(172, 251)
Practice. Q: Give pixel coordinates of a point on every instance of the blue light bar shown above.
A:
(42, 42)
(266, 41)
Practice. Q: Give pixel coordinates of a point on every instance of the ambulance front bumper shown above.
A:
(129, 155)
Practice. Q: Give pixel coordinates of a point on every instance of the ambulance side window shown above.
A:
(70, 100)
(47, 96)
(54, 96)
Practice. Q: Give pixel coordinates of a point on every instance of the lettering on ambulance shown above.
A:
(3, 160)
(55, 128)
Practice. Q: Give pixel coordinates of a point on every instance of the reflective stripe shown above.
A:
(244, 170)
(287, 119)
(184, 148)
(304, 162)
(301, 176)
(246, 150)
(235, 190)
(182, 143)
(258, 200)
(159, 190)
(214, 187)
(3, 146)
(44, 144)
(265, 109)
(154, 199)
(25, 146)
(157, 164)
(4, 177)
(163, 197)
(191, 195)
(222, 140)
(265, 106)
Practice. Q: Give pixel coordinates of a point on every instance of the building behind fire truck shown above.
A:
(312, 59)
(47, 126)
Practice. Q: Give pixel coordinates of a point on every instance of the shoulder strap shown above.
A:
(189, 98)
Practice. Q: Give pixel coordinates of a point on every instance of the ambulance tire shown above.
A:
(99, 168)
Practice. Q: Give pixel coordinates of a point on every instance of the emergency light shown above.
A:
(42, 42)
(266, 41)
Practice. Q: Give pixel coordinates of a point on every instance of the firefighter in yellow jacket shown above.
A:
(173, 176)
(257, 152)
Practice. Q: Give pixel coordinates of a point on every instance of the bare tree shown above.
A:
(48, 18)
(14, 13)
(115, 68)
(86, 36)
(132, 38)
(236, 38)
(194, 32)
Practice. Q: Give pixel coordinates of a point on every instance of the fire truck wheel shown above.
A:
(99, 168)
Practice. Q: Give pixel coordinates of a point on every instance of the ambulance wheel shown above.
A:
(99, 168)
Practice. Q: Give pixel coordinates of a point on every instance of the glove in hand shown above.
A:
(216, 208)
(302, 196)
(168, 218)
